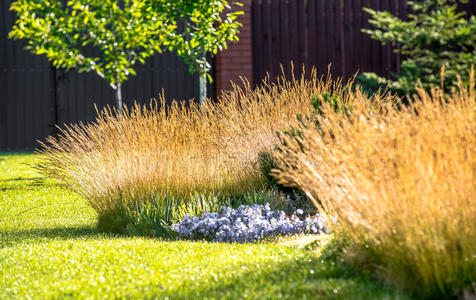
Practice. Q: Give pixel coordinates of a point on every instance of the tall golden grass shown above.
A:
(179, 149)
(401, 180)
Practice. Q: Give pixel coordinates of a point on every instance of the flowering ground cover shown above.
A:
(247, 223)
(49, 248)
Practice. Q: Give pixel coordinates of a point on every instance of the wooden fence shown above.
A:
(35, 97)
(315, 33)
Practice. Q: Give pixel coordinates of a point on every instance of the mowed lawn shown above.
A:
(49, 248)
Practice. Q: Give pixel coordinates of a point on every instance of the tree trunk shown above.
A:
(203, 88)
(118, 97)
(203, 80)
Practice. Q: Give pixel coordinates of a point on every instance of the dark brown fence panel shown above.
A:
(293, 30)
(78, 93)
(321, 51)
(258, 45)
(25, 89)
(301, 34)
(339, 58)
(283, 28)
(316, 33)
(312, 28)
(35, 97)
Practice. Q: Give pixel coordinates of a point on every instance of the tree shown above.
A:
(435, 36)
(110, 36)
(92, 35)
(201, 27)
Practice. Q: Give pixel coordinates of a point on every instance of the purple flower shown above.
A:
(246, 224)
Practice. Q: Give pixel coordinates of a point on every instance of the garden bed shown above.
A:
(50, 249)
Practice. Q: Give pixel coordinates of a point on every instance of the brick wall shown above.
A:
(237, 59)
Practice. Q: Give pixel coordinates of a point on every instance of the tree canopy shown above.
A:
(435, 35)
(110, 36)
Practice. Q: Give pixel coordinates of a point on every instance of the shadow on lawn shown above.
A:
(21, 183)
(12, 237)
(12, 180)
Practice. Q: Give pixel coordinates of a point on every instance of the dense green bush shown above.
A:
(435, 36)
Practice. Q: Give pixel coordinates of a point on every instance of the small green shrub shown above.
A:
(318, 101)
(155, 217)
(267, 162)
(331, 98)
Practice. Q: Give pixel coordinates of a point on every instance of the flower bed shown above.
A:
(247, 224)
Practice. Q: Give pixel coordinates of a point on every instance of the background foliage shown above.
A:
(92, 35)
(109, 37)
(435, 35)
(201, 26)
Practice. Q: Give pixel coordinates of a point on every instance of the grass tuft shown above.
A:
(401, 180)
(178, 150)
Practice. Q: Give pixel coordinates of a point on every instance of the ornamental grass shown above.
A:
(181, 149)
(401, 180)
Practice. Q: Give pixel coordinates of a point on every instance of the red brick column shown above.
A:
(237, 59)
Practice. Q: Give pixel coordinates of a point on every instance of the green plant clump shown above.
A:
(435, 36)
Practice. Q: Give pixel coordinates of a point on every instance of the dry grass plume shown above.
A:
(402, 182)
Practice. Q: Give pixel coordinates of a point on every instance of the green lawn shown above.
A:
(49, 249)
